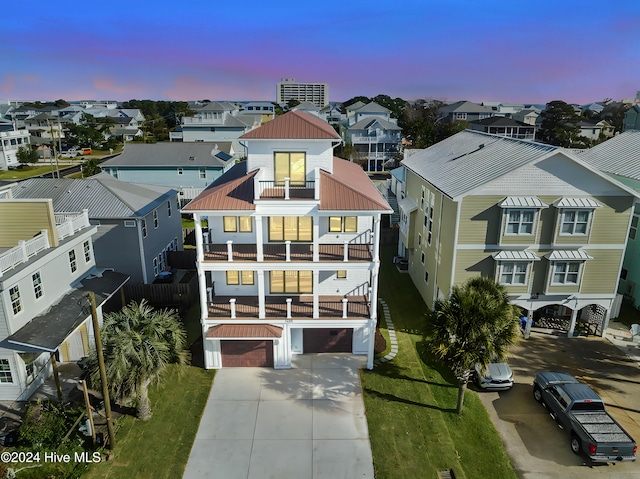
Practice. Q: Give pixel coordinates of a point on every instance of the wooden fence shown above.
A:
(180, 295)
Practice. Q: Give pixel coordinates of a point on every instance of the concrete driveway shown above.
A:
(535, 444)
(299, 423)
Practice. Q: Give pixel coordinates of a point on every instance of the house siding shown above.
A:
(480, 219)
(600, 274)
(117, 247)
(19, 220)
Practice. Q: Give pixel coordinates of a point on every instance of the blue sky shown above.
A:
(481, 50)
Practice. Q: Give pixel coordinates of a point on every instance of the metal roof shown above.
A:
(619, 155)
(522, 202)
(521, 255)
(229, 331)
(170, 154)
(102, 195)
(371, 107)
(399, 173)
(572, 254)
(465, 106)
(470, 159)
(234, 190)
(576, 203)
(407, 205)
(369, 121)
(294, 125)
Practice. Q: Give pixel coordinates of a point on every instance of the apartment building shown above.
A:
(289, 89)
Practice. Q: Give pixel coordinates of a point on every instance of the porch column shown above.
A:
(372, 340)
(316, 297)
(373, 296)
(202, 289)
(287, 249)
(198, 233)
(259, 239)
(286, 188)
(527, 328)
(376, 238)
(262, 312)
(230, 250)
(574, 315)
(232, 304)
(345, 301)
(316, 237)
(288, 300)
(346, 251)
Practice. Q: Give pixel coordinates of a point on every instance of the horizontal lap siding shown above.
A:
(600, 274)
(480, 219)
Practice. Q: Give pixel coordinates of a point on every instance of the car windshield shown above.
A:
(588, 406)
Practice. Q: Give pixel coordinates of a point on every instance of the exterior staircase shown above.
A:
(393, 202)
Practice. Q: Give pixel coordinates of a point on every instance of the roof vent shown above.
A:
(192, 158)
(481, 146)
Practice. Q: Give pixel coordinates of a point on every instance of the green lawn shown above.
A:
(410, 404)
(24, 172)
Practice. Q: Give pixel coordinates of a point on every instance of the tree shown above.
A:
(476, 325)
(614, 113)
(138, 343)
(90, 167)
(26, 155)
(559, 124)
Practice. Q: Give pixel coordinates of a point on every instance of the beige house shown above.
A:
(548, 226)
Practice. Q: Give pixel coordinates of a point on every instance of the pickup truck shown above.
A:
(579, 410)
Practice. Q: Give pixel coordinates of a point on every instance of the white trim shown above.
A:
(568, 255)
(510, 255)
(522, 202)
(578, 203)
(539, 246)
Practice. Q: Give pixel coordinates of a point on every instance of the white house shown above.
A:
(289, 263)
(10, 142)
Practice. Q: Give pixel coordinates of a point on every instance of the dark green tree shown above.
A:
(396, 105)
(613, 113)
(27, 155)
(476, 325)
(90, 167)
(292, 104)
(559, 124)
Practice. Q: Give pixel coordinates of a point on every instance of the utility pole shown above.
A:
(53, 145)
(103, 371)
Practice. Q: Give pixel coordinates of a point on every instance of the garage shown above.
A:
(327, 340)
(246, 353)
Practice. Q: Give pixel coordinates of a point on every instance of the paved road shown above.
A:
(302, 423)
(537, 447)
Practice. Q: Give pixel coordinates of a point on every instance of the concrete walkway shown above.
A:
(392, 334)
(307, 422)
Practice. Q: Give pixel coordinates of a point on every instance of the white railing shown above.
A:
(194, 120)
(71, 223)
(375, 139)
(23, 251)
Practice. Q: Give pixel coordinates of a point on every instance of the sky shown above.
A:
(478, 50)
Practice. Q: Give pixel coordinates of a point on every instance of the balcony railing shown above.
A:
(375, 139)
(279, 190)
(227, 307)
(288, 251)
(69, 223)
(23, 251)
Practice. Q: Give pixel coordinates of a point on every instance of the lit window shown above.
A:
(290, 165)
(520, 222)
(16, 302)
(290, 228)
(633, 230)
(575, 222)
(233, 224)
(342, 274)
(233, 277)
(5, 371)
(513, 273)
(240, 277)
(37, 284)
(346, 224)
(291, 282)
(246, 277)
(72, 261)
(566, 272)
(86, 247)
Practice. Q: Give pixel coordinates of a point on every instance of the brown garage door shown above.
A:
(327, 340)
(246, 353)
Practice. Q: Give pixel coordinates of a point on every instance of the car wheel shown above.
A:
(537, 394)
(576, 445)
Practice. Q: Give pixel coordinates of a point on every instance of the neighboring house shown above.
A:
(504, 109)
(375, 136)
(398, 184)
(619, 157)
(217, 121)
(137, 224)
(43, 128)
(47, 268)
(464, 111)
(499, 125)
(10, 142)
(542, 222)
(288, 89)
(290, 261)
(594, 108)
(5, 189)
(632, 118)
(263, 109)
(592, 129)
(333, 113)
(186, 167)
(529, 116)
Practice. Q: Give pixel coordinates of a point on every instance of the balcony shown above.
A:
(287, 190)
(226, 307)
(68, 224)
(288, 252)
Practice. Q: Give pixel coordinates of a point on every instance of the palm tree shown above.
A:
(138, 343)
(476, 325)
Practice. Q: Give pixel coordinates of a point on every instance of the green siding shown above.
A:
(472, 263)
(611, 222)
(600, 275)
(480, 219)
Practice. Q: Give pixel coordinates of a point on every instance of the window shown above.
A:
(233, 224)
(623, 273)
(291, 282)
(240, 277)
(513, 273)
(426, 276)
(419, 239)
(169, 209)
(633, 230)
(5, 371)
(129, 223)
(290, 165)
(16, 302)
(86, 247)
(203, 173)
(37, 284)
(155, 218)
(422, 257)
(290, 228)
(566, 272)
(422, 199)
(520, 222)
(341, 274)
(575, 222)
(72, 261)
(180, 171)
(144, 228)
(346, 224)
(155, 267)
(460, 116)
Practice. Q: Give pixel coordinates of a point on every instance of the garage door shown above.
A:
(247, 353)
(327, 340)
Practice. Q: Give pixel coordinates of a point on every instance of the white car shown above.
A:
(496, 377)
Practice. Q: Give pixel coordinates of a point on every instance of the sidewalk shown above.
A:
(619, 335)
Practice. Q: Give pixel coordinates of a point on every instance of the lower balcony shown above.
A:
(287, 252)
(227, 307)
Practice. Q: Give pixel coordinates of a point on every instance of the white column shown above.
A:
(316, 297)
(287, 247)
(376, 238)
(605, 322)
(288, 308)
(346, 251)
(574, 315)
(316, 238)
(259, 239)
(45, 236)
(372, 340)
(286, 188)
(527, 328)
(316, 184)
(232, 302)
(373, 297)
(345, 301)
(202, 288)
(230, 250)
(198, 233)
(262, 312)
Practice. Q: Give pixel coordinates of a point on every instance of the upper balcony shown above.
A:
(286, 189)
(288, 251)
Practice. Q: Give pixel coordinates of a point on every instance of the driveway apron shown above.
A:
(299, 423)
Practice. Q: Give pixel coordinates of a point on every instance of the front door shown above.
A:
(76, 346)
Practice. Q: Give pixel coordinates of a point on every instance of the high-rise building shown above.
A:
(289, 89)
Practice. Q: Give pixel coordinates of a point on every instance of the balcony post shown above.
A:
(230, 250)
(206, 294)
(23, 249)
(232, 303)
(316, 238)
(286, 188)
(288, 308)
(45, 239)
(198, 235)
(344, 308)
(262, 312)
(316, 297)
(259, 239)
(376, 238)
(287, 245)
(346, 251)
(316, 183)
(373, 294)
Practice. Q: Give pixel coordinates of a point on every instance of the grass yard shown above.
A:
(410, 404)
(24, 172)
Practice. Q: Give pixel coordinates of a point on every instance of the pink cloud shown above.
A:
(108, 86)
(9, 84)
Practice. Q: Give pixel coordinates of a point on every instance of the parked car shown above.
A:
(495, 377)
(580, 411)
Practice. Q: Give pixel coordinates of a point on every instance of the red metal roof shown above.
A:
(236, 194)
(294, 125)
(349, 188)
(266, 331)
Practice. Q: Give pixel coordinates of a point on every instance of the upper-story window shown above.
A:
(180, 171)
(290, 165)
(514, 272)
(37, 284)
(298, 282)
(235, 224)
(290, 228)
(144, 228)
(575, 222)
(460, 116)
(346, 224)
(203, 173)
(73, 264)
(520, 222)
(86, 248)
(169, 208)
(566, 272)
(5, 371)
(16, 302)
(155, 218)
(633, 229)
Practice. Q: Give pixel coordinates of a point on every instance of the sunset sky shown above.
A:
(478, 50)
